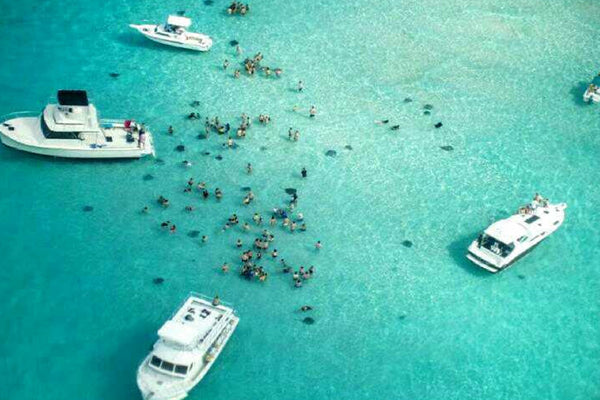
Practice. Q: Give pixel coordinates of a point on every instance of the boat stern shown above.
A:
(479, 258)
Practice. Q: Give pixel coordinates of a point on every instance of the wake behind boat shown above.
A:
(71, 129)
(507, 240)
(174, 33)
(188, 345)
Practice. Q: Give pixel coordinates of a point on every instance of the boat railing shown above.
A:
(209, 299)
(19, 114)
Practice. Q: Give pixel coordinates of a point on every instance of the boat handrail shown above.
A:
(209, 299)
(19, 114)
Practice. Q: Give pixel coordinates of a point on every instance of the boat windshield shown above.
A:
(50, 134)
(169, 367)
(495, 246)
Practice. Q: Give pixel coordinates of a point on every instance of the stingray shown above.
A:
(206, 153)
(246, 188)
(193, 234)
(88, 208)
(407, 243)
(181, 12)
(208, 2)
(331, 153)
(219, 157)
(263, 148)
(408, 100)
(395, 127)
(158, 281)
(426, 112)
(428, 107)
(348, 147)
(308, 320)
(180, 148)
(195, 103)
(234, 43)
(521, 276)
(438, 125)
(148, 177)
(159, 161)
(401, 317)
(447, 148)
(290, 191)
(114, 75)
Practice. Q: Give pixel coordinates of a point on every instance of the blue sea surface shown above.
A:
(392, 321)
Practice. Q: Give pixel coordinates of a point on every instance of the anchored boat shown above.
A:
(188, 345)
(507, 240)
(174, 33)
(592, 94)
(71, 129)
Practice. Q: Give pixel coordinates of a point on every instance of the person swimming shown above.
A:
(306, 308)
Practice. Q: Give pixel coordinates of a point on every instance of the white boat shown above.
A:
(592, 93)
(507, 240)
(174, 33)
(71, 129)
(188, 345)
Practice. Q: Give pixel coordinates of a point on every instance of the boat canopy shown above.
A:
(72, 98)
(179, 21)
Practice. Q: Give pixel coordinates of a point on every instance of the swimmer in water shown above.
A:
(382, 122)
(300, 86)
(239, 243)
(246, 226)
(305, 308)
(318, 245)
(274, 253)
(187, 163)
(204, 238)
(304, 173)
(170, 130)
(145, 210)
(273, 221)
(249, 168)
(236, 74)
(225, 64)
(225, 268)
(312, 112)
(173, 228)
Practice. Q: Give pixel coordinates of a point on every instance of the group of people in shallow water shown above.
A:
(251, 65)
(238, 7)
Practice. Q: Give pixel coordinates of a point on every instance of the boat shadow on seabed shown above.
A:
(577, 92)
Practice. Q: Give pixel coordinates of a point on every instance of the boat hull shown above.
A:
(29, 145)
(147, 31)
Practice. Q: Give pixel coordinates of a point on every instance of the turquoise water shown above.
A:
(80, 310)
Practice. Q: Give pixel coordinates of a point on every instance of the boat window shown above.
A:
(181, 369)
(167, 366)
(155, 361)
(49, 134)
(522, 239)
(495, 246)
(531, 220)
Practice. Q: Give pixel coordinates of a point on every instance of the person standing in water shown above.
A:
(304, 173)
(300, 86)
(313, 111)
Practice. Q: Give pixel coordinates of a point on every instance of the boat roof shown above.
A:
(179, 21)
(507, 230)
(192, 322)
(72, 98)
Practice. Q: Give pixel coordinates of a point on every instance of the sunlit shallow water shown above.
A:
(80, 310)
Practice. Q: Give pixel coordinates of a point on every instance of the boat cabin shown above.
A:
(188, 329)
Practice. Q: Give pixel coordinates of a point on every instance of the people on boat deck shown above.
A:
(216, 301)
